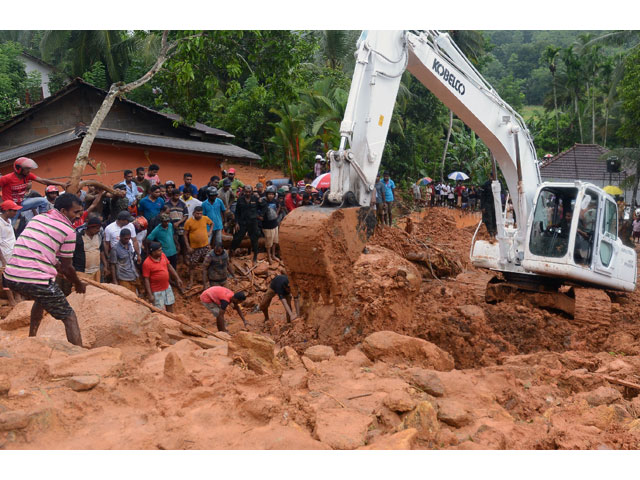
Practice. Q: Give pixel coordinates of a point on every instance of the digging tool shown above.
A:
(153, 308)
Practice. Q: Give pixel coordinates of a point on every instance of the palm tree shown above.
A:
(325, 104)
(76, 51)
(573, 82)
(291, 135)
(337, 47)
(550, 54)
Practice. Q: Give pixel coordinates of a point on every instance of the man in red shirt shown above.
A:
(14, 186)
(292, 200)
(458, 190)
(156, 271)
(216, 299)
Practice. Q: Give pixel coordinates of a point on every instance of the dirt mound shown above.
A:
(63, 397)
(105, 323)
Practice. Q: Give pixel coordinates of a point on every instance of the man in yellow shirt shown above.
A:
(196, 238)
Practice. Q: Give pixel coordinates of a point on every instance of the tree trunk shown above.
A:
(593, 118)
(606, 123)
(555, 107)
(635, 188)
(446, 145)
(116, 90)
(577, 110)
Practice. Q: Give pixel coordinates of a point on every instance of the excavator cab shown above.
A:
(573, 234)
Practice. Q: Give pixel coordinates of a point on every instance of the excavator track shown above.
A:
(591, 305)
(319, 246)
(585, 305)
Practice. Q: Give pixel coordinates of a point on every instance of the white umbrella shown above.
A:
(458, 176)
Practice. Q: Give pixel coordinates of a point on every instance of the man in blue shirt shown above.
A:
(187, 184)
(151, 205)
(213, 208)
(131, 187)
(165, 234)
(389, 187)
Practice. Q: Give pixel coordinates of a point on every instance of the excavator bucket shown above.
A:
(320, 244)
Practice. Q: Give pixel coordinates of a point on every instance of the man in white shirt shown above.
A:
(190, 201)
(112, 233)
(8, 210)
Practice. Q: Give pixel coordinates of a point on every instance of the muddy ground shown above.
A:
(410, 356)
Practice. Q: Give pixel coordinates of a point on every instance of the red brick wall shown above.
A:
(116, 158)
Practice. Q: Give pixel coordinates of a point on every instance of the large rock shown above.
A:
(398, 441)
(318, 353)
(289, 357)
(358, 358)
(472, 312)
(424, 419)
(19, 317)
(81, 383)
(256, 351)
(426, 381)
(100, 361)
(603, 396)
(106, 320)
(342, 428)
(453, 413)
(13, 420)
(399, 401)
(395, 348)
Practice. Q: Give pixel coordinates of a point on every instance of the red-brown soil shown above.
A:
(522, 377)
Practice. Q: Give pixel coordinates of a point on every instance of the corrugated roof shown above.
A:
(223, 149)
(580, 162)
(197, 128)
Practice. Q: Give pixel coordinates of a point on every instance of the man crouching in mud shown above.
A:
(32, 272)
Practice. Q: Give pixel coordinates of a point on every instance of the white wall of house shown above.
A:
(31, 65)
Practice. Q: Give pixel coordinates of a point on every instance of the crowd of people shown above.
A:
(137, 233)
(451, 195)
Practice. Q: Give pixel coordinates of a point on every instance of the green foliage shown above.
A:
(97, 76)
(510, 89)
(629, 90)
(13, 80)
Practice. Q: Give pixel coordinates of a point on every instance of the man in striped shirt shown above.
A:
(31, 272)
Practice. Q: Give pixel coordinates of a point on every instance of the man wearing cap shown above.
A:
(317, 168)
(226, 194)
(89, 252)
(150, 205)
(214, 208)
(156, 272)
(178, 214)
(235, 183)
(9, 209)
(112, 233)
(169, 187)
(217, 299)
(49, 239)
(247, 211)
(165, 234)
(140, 224)
(196, 239)
(292, 200)
(123, 262)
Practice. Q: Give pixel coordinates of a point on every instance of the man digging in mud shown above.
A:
(217, 299)
(32, 269)
(280, 286)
